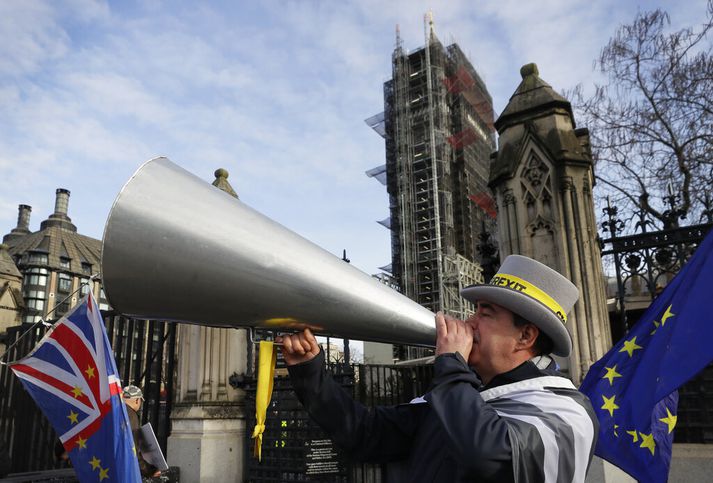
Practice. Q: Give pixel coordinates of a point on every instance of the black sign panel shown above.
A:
(321, 458)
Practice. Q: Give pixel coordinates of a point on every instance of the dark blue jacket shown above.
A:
(460, 430)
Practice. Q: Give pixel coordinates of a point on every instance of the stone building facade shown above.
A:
(57, 265)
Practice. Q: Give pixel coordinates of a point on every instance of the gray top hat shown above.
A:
(536, 293)
(132, 391)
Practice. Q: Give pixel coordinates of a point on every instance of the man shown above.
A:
(133, 398)
(510, 418)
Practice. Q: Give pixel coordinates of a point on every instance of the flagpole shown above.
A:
(42, 320)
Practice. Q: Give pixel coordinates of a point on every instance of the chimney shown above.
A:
(23, 219)
(23, 225)
(61, 203)
(59, 217)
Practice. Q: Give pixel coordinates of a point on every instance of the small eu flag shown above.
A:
(633, 388)
(71, 374)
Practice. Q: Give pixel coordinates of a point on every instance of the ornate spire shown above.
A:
(221, 182)
(532, 96)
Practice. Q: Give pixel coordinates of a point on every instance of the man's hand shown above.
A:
(453, 335)
(298, 348)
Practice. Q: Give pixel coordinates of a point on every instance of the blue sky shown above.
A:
(275, 92)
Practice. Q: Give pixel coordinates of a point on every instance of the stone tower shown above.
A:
(542, 179)
(438, 130)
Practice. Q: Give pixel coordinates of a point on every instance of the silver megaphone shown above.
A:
(177, 248)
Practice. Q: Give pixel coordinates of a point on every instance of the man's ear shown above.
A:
(528, 336)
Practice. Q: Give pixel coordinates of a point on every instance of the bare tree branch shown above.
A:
(651, 122)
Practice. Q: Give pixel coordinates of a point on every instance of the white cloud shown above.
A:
(275, 92)
(30, 36)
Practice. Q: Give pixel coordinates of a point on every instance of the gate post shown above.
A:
(208, 416)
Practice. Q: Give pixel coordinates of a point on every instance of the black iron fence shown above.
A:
(295, 449)
(145, 356)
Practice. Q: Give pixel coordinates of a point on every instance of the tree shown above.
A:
(651, 122)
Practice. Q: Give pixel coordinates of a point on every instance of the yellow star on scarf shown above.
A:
(609, 404)
(647, 441)
(103, 473)
(77, 391)
(670, 420)
(611, 374)
(73, 417)
(89, 372)
(82, 443)
(95, 462)
(630, 346)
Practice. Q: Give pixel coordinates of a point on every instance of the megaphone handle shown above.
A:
(251, 337)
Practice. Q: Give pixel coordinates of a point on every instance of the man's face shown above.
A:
(494, 339)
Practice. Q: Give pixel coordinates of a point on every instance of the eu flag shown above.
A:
(633, 388)
(72, 376)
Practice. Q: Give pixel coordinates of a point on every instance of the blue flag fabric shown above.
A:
(71, 374)
(633, 388)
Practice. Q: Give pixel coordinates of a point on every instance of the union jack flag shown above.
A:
(71, 374)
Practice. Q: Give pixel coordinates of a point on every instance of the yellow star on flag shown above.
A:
(634, 436)
(667, 315)
(611, 374)
(670, 420)
(77, 391)
(73, 417)
(647, 441)
(630, 346)
(103, 474)
(95, 462)
(616, 426)
(90, 372)
(82, 443)
(609, 404)
(656, 327)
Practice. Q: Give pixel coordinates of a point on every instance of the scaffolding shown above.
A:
(459, 273)
(438, 127)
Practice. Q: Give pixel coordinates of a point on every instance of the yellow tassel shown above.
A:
(265, 375)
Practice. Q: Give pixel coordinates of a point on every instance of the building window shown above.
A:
(85, 287)
(36, 304)
(86, 268)
(103, 304)
(37, 258)
(35, 301)
(35, 294)
(36, 277)
(61, 309)
(64, 284)
(32, 319)
(64, 262)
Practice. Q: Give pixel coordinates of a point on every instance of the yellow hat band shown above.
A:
(515, 283)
